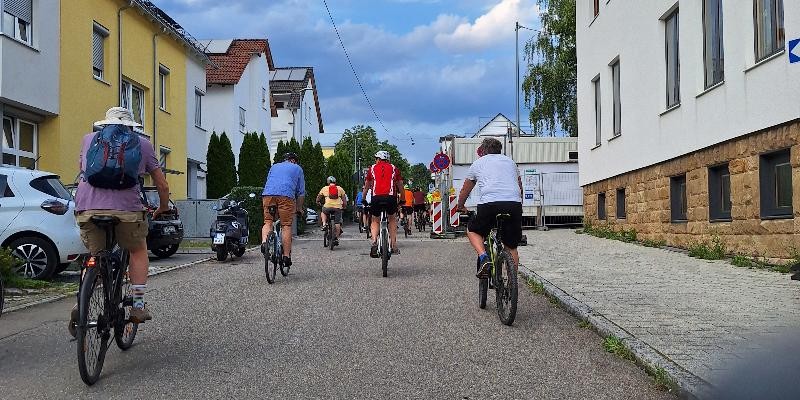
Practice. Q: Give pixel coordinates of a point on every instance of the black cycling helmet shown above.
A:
(291, 156)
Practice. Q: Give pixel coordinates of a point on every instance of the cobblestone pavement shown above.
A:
(334, 328)
(705, 316)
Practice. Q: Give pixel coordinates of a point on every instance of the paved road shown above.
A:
(334, 329)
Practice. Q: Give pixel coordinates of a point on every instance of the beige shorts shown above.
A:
(131, 233)
(286, 209)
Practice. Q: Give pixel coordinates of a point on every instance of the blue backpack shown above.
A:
(113, 159)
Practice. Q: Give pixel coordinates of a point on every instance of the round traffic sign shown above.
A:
(433, 168)
(441, 161)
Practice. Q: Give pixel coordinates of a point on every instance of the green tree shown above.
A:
(550, 83)
(293, 146)
(264, 147)
(314, 172)
(227, 165)
(280, 151)
(420, 175)
(250, 161)
(214, 161)
(366, 145)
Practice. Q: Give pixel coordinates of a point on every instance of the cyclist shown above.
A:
(332, 198)
(285, 188)
(408, 206)
(124, 204)
(498, 179)
(420, 205)
(386, 184)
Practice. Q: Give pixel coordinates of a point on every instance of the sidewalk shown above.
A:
(695, 318)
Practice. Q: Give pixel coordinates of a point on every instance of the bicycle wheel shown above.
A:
(93, 328)
(331, 237)
(278, 260)
(385, 252)
(325, 236)
(124, 329)
(270, 263)
(505, 274)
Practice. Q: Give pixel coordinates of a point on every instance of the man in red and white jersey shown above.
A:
(386, 183)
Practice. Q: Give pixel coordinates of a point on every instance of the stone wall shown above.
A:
(648, 197)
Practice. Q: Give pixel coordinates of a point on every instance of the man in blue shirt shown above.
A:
(286, 189)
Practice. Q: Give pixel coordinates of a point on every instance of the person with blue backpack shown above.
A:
(112, 163)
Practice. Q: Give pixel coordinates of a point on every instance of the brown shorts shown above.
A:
(286, 209)
(131, 233)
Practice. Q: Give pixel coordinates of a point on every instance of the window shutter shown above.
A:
(97, 51)
(21, 9)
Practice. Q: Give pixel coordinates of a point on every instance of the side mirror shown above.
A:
(252, 195)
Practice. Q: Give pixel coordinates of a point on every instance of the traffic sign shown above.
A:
(441, 161)
(433, 168)
(794, 51)
(431, 187)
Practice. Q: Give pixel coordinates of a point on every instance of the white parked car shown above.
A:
(37, 221)
(312, 218)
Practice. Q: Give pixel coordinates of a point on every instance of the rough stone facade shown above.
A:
(647, 193)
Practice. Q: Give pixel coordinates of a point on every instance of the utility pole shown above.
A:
(516, 90)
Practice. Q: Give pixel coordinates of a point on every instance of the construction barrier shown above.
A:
(455, 216)
(438, 222)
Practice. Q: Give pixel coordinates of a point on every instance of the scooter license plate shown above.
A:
(169, 229)
(219, 238)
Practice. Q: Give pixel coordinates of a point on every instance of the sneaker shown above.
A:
(335, 242)
(395, 250)
(72, 326)
(140, 315)
(484, 266)
(373, 251)
(287, 261)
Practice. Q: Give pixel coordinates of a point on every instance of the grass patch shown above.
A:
(584, 324)
(653, 243)
(662, 379)
(614, 345)
(12, 280)
(705, 250)
(195, 244)
(536, 287)
(762, 264)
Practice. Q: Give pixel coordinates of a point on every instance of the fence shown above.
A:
(552, 199)
(197, 217)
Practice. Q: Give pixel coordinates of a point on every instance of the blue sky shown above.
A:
(430, 67)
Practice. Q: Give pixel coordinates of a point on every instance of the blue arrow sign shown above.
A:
(794, 57)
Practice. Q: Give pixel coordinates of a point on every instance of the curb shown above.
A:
(690, 386)
(53, 299)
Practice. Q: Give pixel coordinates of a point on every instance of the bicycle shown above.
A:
(104, 303)
(274, 252)
(503, 279)
(419, 221)
(329, 233)
(384, 249)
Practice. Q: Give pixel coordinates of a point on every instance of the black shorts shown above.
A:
(383, 203)
(486, 219)
(408, 209)
(420, 207)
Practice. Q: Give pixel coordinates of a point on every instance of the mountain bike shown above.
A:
(502, 276)
(274, 253)
(104, 303)
(329, 231)
(384, 249)
(419, 220)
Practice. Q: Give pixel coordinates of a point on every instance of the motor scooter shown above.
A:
(230, 230)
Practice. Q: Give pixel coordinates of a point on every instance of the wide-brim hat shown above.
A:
(118, 116)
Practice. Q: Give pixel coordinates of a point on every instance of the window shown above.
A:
(712, 42)
(163, 83)
(719, 193)
(50, 185)
(597, 114)
(20, 143)
(596, 4)
(162, 159)
(601, 206)
(133, 99)
(99, 35)
(198, 107)
(775, 173)
(617, 102)
(280, 104)
(5, 191)
(673, 60)
(621, 211)
(242, 119)
(769, 27)
(17, 19)
(677, 198)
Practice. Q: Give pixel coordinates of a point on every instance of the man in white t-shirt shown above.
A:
(498, 179)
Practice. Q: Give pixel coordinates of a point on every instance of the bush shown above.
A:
(254, 209)
(715, 250)
(7, 264)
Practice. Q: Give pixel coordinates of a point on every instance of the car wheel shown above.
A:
(38, 256)
(166, 251)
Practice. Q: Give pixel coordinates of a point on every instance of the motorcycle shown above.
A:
(230, 230)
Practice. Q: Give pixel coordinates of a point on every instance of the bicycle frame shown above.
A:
(384, 230)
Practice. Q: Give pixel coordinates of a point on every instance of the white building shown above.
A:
(197, 136)
(238, 89)
(29, 76)
(297, 102)
(548, 167)
(688, 117)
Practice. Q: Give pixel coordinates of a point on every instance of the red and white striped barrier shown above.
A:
(438, 222)
(455, 216)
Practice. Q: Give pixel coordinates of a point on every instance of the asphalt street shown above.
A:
(333, 329)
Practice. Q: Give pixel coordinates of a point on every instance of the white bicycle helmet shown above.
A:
(331, 179)
(383, 155)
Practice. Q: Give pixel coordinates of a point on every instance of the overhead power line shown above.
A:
(358, 80)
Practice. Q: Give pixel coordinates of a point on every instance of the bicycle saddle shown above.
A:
(273, 210)
(104, 220)
(503, 217)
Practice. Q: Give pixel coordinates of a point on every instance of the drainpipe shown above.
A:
(156, 92)
(119, 51)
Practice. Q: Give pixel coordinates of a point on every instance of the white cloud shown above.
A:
(495, 26)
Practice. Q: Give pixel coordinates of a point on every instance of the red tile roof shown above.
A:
(227, 68)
